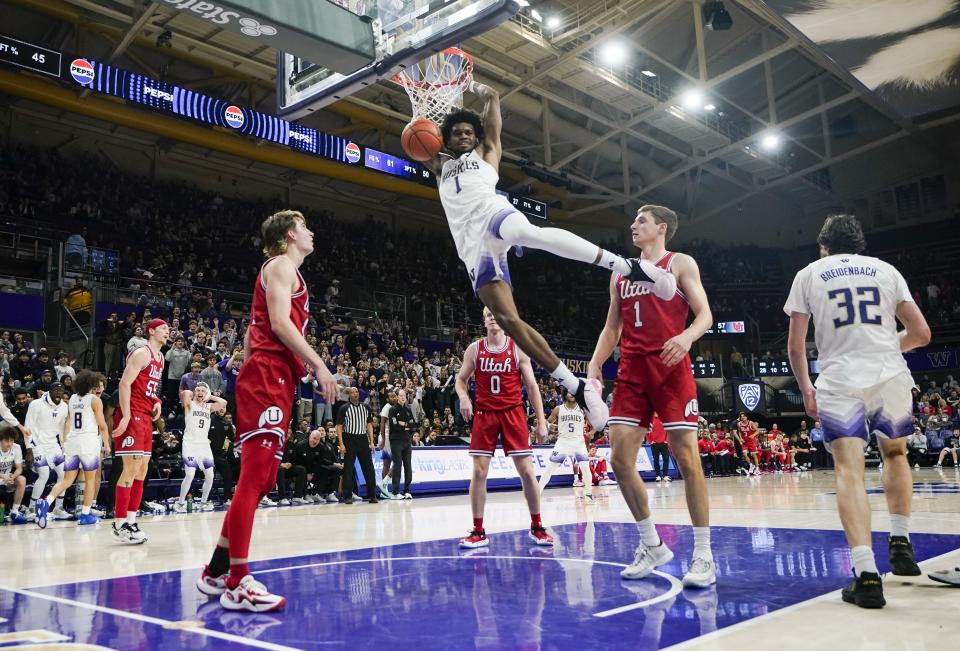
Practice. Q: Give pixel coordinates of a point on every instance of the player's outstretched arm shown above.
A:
(609, 336)
(186, 397)
(533, 393)
(492, 120)
(916, 332)
(463, 377)
(688, 278)
(219, 404)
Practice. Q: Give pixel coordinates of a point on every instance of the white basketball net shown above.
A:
(436, 84)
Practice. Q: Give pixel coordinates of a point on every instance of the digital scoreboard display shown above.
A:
(728, 328)
(30, 56)
(706, 369)
(773, 368)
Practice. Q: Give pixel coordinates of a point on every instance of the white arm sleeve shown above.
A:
(6, 415)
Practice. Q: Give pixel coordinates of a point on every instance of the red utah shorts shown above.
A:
(645, 385)
(510, 424)
(137, 439)
(265, 393)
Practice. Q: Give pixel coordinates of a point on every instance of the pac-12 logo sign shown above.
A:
(82, 72)
(352, 152)
(233, 116)
(749, 395)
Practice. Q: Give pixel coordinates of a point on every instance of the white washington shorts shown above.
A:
(82, 452)
(197, 455)
(571, 448)
(885, 408)
(480, 246)
(47, 455)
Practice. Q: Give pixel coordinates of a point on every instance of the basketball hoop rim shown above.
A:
(403, 80)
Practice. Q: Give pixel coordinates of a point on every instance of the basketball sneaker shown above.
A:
(477, 538)
(266, 501)
(251, 595)
(950, 577)
(902, 562)
(97, 511)
(301, 500)
(180, 507)
(408, 496)
(42, 510)
(540, 536)
(284, 501)
(866, 591)
(661, 282)
(589, 396)
(87, 518)
(212, 586)
(139, 534)
(126, 534)
(645, 560)
(577, 483)
(205, 506)
(702, 573)
(397, 496)
(606, 481)
(16, 517)
(331, 498)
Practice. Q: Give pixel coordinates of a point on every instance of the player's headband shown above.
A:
(155, 323)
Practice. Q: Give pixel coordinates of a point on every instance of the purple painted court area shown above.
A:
(429, 596)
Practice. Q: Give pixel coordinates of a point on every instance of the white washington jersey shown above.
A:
(83, 422)
(468, 192)
(45, 422)
(10, 460)
(196, 424)
(853, 302)
(570, 424)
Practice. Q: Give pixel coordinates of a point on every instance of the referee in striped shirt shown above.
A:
(355, 432)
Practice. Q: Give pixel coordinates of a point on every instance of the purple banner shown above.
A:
(933, 360)
(21, 311)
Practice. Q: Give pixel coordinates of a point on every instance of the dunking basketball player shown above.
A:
(655, 375)
(864, 386)
(499, 368)
(274, 350)
(485, 226)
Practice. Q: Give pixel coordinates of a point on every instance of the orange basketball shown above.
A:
(421, 139)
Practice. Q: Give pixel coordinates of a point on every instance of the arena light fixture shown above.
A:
(613, 53)
(536, 15)
(692, 99)
(553, 22)
(709, 107)
(648, 73)
(770, 141)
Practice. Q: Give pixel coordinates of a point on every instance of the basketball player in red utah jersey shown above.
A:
(655, 376)
(133, 429)
(498, 366)
(274, 355)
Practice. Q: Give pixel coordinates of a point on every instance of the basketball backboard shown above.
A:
(405, 31)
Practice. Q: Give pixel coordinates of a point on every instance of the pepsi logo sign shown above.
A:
(352, 152)
(82, 72)
(301, 137)
(233, 116)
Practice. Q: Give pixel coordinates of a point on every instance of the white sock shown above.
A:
(132, 515)
(566, 377)
(613, 262)
(863, 560)
(58, 504)
(648, 533)
(188, 474)
(900, 525)
(587, 477)
(207, 484)
(547, 474)
(85, 510)
(701, 543)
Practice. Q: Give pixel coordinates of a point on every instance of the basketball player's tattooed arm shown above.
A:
(492, 121)
(797, 352)
(533, 393)
(609, 336)
(280, 279)
(688, 279)
(138, 360)
(463, 377)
